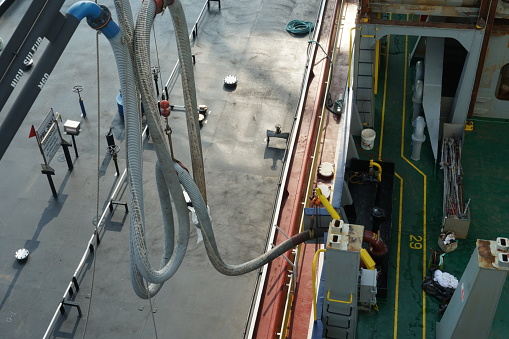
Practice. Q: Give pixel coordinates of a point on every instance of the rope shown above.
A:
(98, 178)
(300, 27)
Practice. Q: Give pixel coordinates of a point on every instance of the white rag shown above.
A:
(450, 238)
(445, 279)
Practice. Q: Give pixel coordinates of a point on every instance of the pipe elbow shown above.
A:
(377, 246)
(98, 17)
(378, 166)
(84, 9)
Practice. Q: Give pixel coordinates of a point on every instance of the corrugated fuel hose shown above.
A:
(131, 51)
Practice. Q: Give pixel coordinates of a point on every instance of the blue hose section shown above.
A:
(84, 9)
(88, 9)
(110, 30)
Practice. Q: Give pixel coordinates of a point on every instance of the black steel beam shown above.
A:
(4, 6)
(21, 47)
(35, 83)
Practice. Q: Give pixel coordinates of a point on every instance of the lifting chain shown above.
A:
(168, 131)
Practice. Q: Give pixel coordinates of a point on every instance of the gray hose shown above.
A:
(209, 239)
(169, 174)
(163, 166)
(167, 180)
(189, 88)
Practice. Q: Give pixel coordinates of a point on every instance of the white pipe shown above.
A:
(418, 138)
(419, 70)
(417, 99)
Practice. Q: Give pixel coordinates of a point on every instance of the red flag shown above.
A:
(32, 132)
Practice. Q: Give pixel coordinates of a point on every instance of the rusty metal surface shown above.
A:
(437, 10)
(355, 235)
(474, 3)
(488, 20)
(486, 258)
(375, 21)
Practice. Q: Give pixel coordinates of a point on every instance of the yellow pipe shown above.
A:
(340, 301)
(349, 58)
(313, 277)
(325, 202)
(367, 260)
(377, 165)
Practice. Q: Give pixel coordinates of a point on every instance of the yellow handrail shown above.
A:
(325, 202)
(349, 59)
(313, 277)
(340, 301)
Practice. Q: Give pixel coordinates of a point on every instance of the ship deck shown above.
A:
(247, 39)
(417, 207)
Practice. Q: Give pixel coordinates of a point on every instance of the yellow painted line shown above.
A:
(398, 257)
(400, 211)
(424, 188)
(384, 97)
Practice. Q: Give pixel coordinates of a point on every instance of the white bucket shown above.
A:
(368, 139)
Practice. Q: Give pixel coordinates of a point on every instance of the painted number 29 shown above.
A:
(415, 242)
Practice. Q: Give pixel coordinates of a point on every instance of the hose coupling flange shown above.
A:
(102, 20)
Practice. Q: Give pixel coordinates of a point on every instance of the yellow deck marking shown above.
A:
(398, 257)
(424, 188)
(396, 298)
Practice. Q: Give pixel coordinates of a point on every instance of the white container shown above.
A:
(368, 139)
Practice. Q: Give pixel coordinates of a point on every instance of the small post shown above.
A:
(112, 149)
(78, 89)
(155, 72)
(74, 145)
(65, 146)
(49, 172)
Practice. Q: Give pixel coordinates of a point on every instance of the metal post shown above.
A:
(78, 89)
(74, 145)
(112, 149)
(155, 71)
(65, 146)
(116, 163)
(49, 172)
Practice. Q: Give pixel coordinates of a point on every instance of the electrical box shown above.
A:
(367, 287)
(72, 127)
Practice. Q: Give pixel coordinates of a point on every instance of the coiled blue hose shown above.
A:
(300, 27)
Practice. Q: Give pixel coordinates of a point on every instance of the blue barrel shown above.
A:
(120, 105)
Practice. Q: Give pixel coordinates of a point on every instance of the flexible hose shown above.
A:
(169, 175)
(209, 239)
(300, 27)
(189, 88)
(167, 181)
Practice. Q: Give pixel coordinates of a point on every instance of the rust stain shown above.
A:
(486, 259)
